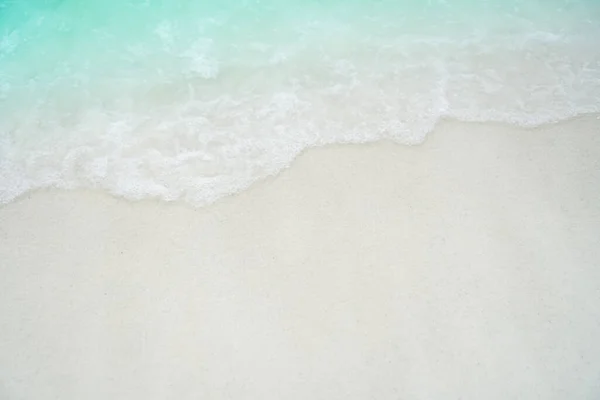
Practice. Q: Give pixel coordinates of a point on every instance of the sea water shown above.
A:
(193, 100)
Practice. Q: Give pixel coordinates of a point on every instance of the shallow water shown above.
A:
(195, 100)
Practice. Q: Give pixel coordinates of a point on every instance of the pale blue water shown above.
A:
(193, 100)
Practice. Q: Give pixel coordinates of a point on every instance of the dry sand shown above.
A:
(468, 267)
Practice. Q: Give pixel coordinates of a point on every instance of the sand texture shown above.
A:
(468, 267)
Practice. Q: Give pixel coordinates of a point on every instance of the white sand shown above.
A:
(468, 268)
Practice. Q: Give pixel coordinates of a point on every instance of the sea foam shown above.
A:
(173, 100)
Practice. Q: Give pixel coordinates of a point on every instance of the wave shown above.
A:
(194, 102)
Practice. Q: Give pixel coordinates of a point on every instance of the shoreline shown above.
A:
(465, 266)
(188, 199)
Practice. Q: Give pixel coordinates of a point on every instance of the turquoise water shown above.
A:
(194, 100)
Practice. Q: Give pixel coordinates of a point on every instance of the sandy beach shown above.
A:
(464, 268)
